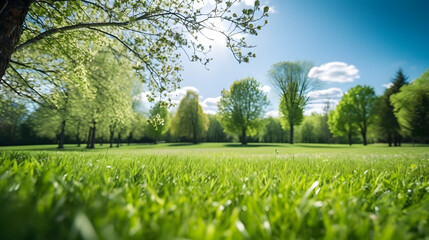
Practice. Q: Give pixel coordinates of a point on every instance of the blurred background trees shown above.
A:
(190, 121)
(109, 112)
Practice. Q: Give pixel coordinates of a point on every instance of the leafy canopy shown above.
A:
(291, 81)
(242, 107)
(62, 36)
(411, 107)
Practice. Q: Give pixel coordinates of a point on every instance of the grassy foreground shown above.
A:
(214, 191)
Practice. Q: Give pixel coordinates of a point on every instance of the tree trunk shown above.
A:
(130, 137)
(12, 16)
(194, 136)
(395, 139)
(78, 140)
(88, 141)
(78, 137)
(118, 139)
(93, 136)
(61, 137)
(291, 133)
(364, 137)
(112, 132)
(244, 137)
(389, 140)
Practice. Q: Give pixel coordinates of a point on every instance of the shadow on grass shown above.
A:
(251, 145)
(183, 144)
(320, 146)
(54, 149)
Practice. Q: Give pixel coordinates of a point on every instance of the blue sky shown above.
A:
(364, 42)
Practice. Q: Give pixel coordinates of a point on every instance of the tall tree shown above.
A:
(291, 81)
(387, 121)
(241, 109)
(190, 121)
(110, 98)
(341, 121)
(41, 36)
(363, 100)
(411, 107)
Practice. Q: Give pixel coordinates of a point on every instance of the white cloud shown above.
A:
(265, 88)
(178, 94)
(274, 114)
(210, 102)
(388, 85)
(326, 93)
(249, 2)
(319, 99)
(335, 72)
(210, 112)
(204, 3)
(319, 105)
(142, 97)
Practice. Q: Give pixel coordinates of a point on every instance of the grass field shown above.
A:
(215, 191)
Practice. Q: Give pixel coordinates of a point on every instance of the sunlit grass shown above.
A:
(215, 192)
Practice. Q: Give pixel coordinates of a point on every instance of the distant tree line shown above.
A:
(109, 112)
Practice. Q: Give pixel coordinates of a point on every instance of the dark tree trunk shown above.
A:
(118, 140)
(395, 140)
(12, 16)
(130, 138)
(291, 133)
(244, 137)
(364, 137)
(78, 140)
(88, 141)
(93, 136)
(389, 140)
(112, 132)
(194, 137)
(61, 137)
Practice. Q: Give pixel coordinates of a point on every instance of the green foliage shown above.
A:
(273, 131)
(211, 191)
(215, 132)
(386, 120)
(293, 85)
(63, 36)
(287, 117)
(341, 121)
(241, 109)
(12, 115)
(309, 130)
(190, 121)
(355, 110)
(411, 106)
(363, 100)
(159, 122)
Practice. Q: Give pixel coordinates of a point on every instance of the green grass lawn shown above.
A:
(214, 191)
